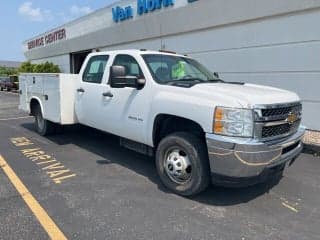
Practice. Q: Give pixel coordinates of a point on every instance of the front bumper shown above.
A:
(247, 160)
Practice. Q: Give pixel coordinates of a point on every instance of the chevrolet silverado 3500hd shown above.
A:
(199, 127)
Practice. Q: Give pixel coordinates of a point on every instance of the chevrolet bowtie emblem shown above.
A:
(292, 118)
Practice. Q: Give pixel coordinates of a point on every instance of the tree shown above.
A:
(47, 67)
(26, 67)
(7, 71)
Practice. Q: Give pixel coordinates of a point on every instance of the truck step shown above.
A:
(137, 147)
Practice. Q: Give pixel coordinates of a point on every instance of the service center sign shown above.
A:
(49, 38)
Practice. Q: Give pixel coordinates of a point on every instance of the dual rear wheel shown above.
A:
(43, 126)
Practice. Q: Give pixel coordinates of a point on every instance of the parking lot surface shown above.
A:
(92, 188)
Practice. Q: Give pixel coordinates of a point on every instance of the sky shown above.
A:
(22, 20)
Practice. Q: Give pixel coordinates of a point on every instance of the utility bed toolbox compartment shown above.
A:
(54, 92)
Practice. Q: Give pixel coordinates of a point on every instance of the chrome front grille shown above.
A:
(275, 121)
(275, 111)
(272, 131)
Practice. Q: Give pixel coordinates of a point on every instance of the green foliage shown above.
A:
(28, 67)
(6, 71)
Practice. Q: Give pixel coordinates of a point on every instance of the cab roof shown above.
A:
(137, 51)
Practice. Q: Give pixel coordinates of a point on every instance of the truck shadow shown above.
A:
(96, 141)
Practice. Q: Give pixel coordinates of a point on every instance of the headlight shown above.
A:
(234, 122)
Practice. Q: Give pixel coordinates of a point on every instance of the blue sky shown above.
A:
(21, 20)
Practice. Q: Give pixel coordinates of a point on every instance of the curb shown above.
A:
(311, 142)
(311, 149)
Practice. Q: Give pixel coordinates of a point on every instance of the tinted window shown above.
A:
(95, 69)
(130, 63)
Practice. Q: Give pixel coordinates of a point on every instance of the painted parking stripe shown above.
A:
(46, 222)
(16, 118)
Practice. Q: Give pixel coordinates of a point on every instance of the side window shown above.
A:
(95, 69)
(130, 63)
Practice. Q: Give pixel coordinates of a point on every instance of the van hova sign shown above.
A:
(47, 39)
(143, 7)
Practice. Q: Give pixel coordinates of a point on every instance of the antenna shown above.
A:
(163, 46)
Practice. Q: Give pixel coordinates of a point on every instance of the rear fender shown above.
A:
(34, 98)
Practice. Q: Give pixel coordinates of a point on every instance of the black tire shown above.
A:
(195, 150)
(42, 126)
(8, 89)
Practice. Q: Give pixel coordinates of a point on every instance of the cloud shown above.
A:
(33, 13)
(37, 14)
(77, 11)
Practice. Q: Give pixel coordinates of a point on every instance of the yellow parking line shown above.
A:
(46, 222)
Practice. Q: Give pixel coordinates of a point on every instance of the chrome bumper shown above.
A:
(243, 158)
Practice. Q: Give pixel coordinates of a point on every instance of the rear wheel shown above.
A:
(8, 89)
(182, 164)
(43, 126)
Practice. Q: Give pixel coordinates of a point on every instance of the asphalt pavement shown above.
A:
(92, 188)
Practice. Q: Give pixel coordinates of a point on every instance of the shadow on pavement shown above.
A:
(107, 146)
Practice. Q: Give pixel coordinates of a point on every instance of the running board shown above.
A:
(137, 147)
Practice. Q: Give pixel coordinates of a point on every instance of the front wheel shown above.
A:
(43, 126)
(182, 164)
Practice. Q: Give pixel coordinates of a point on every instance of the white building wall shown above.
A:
(266, 42)
(281, 51)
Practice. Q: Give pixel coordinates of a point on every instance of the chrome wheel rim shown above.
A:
(177, 165)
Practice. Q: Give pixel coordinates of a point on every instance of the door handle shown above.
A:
(107, 94)
(80, 90)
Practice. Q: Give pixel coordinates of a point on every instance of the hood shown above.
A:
(247, 95)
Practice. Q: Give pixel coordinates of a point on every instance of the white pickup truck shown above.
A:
(199, 127)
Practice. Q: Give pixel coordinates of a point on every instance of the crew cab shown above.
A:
(199, 127)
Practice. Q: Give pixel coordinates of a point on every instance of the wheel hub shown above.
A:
(178, 166)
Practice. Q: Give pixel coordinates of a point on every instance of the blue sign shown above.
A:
(143, 7)
(121, 14)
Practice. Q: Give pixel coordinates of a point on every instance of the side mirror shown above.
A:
(119, 79)
(118, 71)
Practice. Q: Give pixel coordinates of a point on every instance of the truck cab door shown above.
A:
(129, 108)
(120, 111)
(89, 101)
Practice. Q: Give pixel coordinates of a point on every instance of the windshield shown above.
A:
(170, 69)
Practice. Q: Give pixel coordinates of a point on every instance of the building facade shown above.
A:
(268, 42)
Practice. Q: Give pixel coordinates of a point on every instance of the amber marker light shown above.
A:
(218, 127)
(218, 114)
(217, 124)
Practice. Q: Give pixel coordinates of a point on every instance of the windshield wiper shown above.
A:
(192, 80)
(216, 80)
